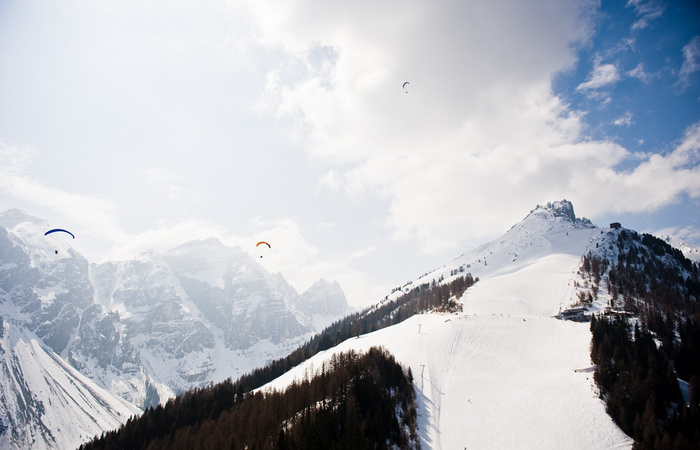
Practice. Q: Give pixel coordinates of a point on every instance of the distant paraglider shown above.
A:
(404, 86)
(57, 230)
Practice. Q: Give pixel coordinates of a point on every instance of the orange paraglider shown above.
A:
(263, 243)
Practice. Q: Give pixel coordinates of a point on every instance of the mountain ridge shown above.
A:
(495, 371)
(147, 328)
(525, 277)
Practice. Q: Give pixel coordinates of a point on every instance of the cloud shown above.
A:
(624, 120)
(302, 264)
(691, 61)
(689, 233)
(95, 215)
(331, 180)
(187, 100)
(479, 131)
(639, 73)
(601, 76)
(479, 136)
(164, 237)
(657, 180)
(169, 181)
(98, 221)
(647, 11)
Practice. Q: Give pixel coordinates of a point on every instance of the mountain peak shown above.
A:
(324, 297)
(563, 209)
(13, 217)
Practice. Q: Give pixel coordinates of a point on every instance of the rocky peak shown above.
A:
(325, 298)
(563, 209)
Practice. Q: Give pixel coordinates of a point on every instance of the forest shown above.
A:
(423, 298)
(642, 352)
(351, 404)
(356, 401)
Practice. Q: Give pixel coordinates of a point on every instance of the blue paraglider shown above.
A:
(57, 230)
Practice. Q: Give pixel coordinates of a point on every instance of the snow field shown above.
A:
(501, 375)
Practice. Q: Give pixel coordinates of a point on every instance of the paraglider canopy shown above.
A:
(263, 243)
(404, 85)
(55, 230)
(59, 230)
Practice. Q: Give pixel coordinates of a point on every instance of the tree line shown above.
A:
(357, 401)
(198, 406)
(639, 360)
(426, 297)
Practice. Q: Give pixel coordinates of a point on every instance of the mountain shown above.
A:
(690, 252)
(504, 373)
(501, 372)
(46, 403)
(148, 328)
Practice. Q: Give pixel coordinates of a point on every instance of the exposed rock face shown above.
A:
(565, 209)
(156, 325)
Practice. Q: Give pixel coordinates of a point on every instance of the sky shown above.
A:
(145, 124)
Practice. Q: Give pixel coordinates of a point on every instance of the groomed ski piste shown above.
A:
(503, 373)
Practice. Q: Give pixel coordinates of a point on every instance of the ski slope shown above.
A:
(502, 373)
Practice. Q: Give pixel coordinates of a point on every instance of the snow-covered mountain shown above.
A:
(504, 373)
(144, 329)
(689, 251)
(46, 403)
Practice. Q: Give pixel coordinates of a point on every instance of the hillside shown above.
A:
(502, 374)
(491, 362)
(46, 402)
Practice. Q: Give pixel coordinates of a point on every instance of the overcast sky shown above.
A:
(145, 124)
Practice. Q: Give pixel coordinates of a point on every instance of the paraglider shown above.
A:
(404, 85)
(263, 243)
(57, 230)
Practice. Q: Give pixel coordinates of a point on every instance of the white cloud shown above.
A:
(658, 180)
(624, 120)
(639, 73)
(96, 215)
(302, 264)
(171, 182)
(479, 130)
(164, 237)
(647, 11)
(331, 180)
(688, 233)
(602, 75)
(691, 60)
(189, 114)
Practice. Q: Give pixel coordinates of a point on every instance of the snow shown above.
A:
(689, 251)
(503, 374)
(67, 408)
(684, 386)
